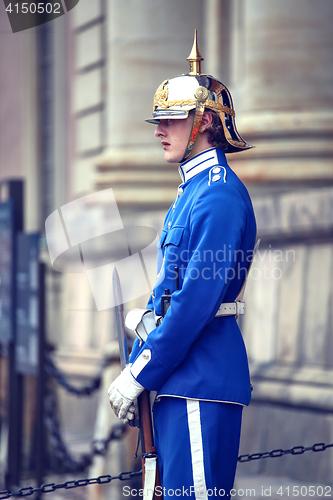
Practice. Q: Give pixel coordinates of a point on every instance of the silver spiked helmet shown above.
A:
(175, 97)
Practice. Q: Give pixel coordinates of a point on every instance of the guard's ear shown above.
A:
(205, 122)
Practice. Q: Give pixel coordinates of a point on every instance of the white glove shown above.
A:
(122, 393)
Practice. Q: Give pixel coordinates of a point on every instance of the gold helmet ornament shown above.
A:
(175, 97)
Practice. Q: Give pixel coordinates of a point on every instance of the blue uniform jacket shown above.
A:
(209, 234)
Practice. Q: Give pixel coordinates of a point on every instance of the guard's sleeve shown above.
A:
(217, 221)
(136, 344)
(135, 349)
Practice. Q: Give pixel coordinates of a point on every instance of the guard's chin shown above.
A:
(172, 158)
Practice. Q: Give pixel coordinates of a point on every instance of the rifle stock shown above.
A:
(147, 438)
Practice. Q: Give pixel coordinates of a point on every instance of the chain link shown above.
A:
(125, 476)
(60, 451)
(100, 446)
(296, 450)
(67, 485)
(53, 371)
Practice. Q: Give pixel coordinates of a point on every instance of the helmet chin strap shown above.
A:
(201, 95)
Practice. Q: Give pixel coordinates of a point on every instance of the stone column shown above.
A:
(217, 32)
(147, 42)
(282, 87)
(282, 84)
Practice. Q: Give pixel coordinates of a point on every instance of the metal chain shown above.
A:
(100, 446)
(53, 371)
(124, 476)
(296, 450)
(67, 485)
(60, 451)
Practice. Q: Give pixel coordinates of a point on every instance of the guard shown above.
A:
(189, 347)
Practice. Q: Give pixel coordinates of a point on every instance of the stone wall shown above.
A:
(288, 330)
(276, 57)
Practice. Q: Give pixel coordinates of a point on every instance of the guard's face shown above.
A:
(174, 136)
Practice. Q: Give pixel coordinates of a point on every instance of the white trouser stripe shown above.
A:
(194, 425)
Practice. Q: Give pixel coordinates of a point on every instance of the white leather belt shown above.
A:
(143, 321)
(231, 309)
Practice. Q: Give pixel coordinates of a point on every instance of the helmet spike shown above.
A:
(195, 58)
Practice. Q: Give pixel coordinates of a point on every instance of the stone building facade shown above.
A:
(74, 97)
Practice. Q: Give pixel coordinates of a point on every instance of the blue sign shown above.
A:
(7, 260)
(27, 303)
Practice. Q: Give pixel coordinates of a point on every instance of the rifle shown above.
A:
(150, 470)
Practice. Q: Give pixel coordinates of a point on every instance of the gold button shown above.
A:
(216, 170)
(180, 191)
(216, 178)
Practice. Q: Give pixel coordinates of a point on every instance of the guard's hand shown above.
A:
(122, 393)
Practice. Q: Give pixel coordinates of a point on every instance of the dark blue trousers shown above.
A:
(197, 445)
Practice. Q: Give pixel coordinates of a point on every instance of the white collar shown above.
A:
(198, 163)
